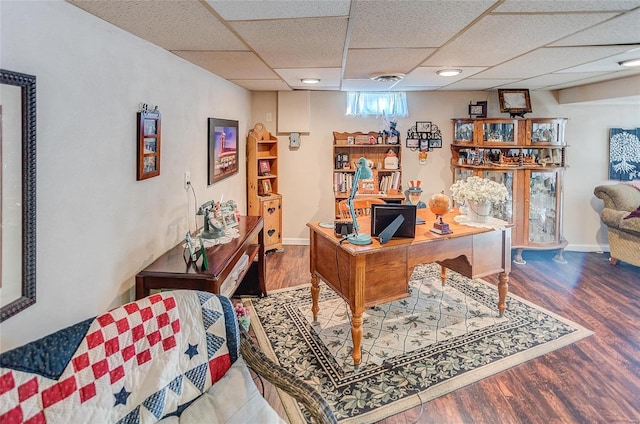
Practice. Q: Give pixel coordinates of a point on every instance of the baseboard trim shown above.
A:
(296, 241)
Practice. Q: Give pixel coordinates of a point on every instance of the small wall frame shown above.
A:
(478, 110)
(148, 144)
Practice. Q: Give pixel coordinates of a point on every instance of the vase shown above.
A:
(479, 211)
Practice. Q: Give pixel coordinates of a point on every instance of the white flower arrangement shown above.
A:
(479, 190)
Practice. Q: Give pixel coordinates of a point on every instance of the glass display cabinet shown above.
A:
(529, 157)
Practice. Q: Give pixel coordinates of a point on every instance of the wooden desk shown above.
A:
(370, 275)
(170, 271)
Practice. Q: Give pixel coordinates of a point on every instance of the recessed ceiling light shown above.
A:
(387, 77)
(449, 72)
(630, 63)
(310, 80)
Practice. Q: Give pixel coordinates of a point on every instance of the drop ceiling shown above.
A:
(268, 45)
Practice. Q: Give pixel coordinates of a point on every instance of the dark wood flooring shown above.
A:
(596, 380)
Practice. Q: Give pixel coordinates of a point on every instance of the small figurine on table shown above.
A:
(413, 194)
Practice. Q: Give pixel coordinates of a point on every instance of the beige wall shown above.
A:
(96, 225)
(305, 173)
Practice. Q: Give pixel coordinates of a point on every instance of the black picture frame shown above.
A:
(478, 110)
(515, 102)
(27, 297)
(435, 143)
(223, 160)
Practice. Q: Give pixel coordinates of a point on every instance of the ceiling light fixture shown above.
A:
(310, 80)
(630, 63)
(449, 72)
(387, 77)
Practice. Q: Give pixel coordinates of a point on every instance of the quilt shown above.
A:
(137, 363)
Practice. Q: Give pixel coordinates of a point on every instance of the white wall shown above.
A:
(306, 180)
(96, 225)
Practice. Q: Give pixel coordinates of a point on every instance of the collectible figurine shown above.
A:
(413, 194)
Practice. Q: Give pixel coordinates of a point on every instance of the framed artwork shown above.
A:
(624, 154)
(435, 143)
(478, 110)
(148, 144)
(515, 102)
(424, 145)
(265, 187)
(423, 126)
(264, 167)
(223, 149)
(413, 143)
(230, 219)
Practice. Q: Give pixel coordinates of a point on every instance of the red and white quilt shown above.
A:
(137, 363)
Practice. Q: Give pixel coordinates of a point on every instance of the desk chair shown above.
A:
(361, 206)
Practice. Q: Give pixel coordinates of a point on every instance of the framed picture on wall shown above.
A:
(223, 149)
(148, 163)
(515, 102)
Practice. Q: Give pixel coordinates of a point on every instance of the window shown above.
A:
(392, 104)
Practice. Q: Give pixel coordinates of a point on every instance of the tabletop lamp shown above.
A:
(363, 172)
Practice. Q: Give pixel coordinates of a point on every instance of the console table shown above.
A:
(365, 276)
(170, 271)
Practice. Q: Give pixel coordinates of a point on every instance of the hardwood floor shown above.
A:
(596, 380)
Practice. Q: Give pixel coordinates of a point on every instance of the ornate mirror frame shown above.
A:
(27, 297)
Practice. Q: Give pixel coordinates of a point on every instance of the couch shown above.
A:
(621, 203)
(172, 357)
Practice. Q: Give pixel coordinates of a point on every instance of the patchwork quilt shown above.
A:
(137, 363)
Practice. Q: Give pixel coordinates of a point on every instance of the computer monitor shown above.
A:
(386, 217)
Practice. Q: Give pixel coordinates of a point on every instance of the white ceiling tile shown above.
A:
(239, 10)
(619, 30)
(495, 39)
(262, 85)
(411, 23)
(230, 65)
(296, 43)
(609, 64)
(427, 76)
(520, 6)
(603, 77)
(173, 25)
(479, 84)
(547, 60)
(361, 63)
(549, 80)
(366, 85)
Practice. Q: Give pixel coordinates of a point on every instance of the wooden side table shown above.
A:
(170, 271)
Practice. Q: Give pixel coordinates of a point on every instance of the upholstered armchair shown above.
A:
(620, 201)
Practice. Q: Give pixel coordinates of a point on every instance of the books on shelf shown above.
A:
(390, 183)
(387, 184)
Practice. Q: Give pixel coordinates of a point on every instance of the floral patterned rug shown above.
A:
(437, 340)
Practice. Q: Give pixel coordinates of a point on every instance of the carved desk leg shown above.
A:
(503, 287)
(315, 292)
(356, 336)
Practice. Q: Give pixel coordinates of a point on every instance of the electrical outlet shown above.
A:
(187, 179)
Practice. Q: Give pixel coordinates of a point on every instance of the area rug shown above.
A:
(437, 340)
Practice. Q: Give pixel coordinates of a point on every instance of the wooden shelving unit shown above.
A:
(263, 198)
(387, 183)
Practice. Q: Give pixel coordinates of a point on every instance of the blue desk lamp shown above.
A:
(362, 172)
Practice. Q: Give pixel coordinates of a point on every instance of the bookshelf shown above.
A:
(263, 198)
(386, 183)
